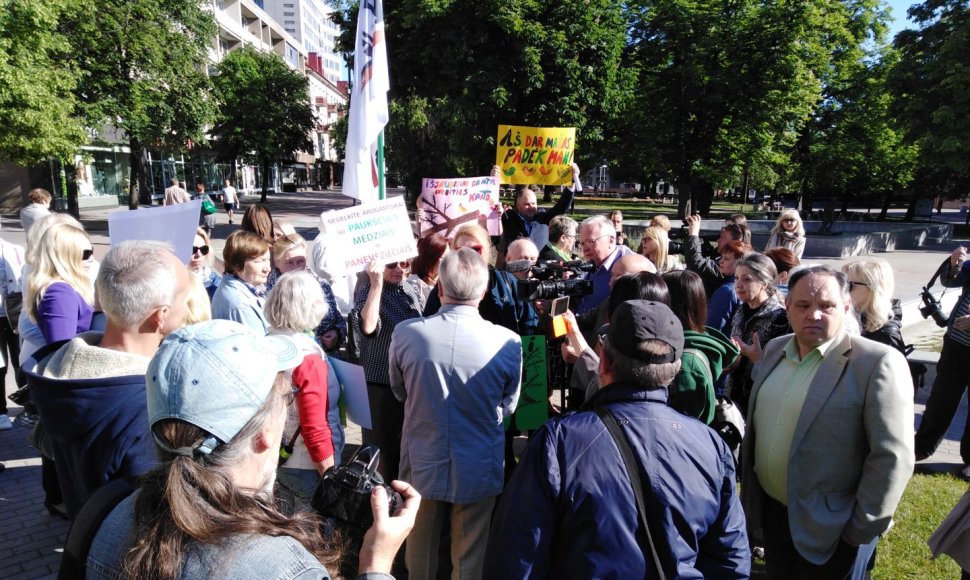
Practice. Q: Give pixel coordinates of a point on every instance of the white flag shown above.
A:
(368, 103)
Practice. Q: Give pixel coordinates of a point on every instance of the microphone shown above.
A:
(519, 266)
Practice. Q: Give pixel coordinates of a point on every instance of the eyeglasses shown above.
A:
(852, 285)
(87, 254)
(592, 242)
(204, 250)
(789, 220)
(405, 264)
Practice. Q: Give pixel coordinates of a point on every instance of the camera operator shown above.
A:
(953, 370)
(217, 398)
(694, 255)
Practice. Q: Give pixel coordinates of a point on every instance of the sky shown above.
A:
(899, 8)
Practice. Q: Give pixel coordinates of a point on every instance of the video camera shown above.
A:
(931, 308)
(344, 491)
(554, 279)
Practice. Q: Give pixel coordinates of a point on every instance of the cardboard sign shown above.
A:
(353, 388)
(451, 203)
(533, 408)
(172, 224)
(375, 231)
(535, 155)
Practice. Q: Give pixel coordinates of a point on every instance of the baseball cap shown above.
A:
(214, 375)
(635, 321)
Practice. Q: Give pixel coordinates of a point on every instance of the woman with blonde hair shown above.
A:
(789, 233)
(500, 305)
(58, 293)
(200, 264)
(312, 436)
(653, 245)
(871, 286)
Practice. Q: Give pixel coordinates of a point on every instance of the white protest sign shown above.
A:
(375, 231)
(354, 387)
(172, 224)
(450, 203)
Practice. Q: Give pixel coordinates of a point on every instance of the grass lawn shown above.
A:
(903, 552)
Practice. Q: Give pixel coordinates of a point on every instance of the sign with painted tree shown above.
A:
(450, 203)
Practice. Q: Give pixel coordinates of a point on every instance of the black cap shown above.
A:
(635, 321)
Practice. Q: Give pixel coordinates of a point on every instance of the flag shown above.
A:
(368, 103)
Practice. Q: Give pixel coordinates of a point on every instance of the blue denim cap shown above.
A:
(215, 375)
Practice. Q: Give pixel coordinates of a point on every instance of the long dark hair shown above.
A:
(187, 500)
(640, 286)
(687, 298)
(259, 220)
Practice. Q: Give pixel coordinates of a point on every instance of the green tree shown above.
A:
(265, 110)
(143, 66)
(461, 68)
(37, 103)
(724, 88)
(930, 85)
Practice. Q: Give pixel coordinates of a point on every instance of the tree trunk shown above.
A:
(911, 208)
(884, 210)
(72, 193)
(265, 164)
(139, 185)
(685, 198)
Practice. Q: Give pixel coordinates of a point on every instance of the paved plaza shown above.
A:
(30, 539)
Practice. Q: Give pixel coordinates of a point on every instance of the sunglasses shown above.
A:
(405, 264)
(788, 220)
(204, 250)
(87, 254)
(477, 247)
(852, 285)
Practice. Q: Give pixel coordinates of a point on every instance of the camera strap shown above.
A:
(633, 471)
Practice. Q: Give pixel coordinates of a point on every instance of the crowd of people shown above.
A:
(210, 385)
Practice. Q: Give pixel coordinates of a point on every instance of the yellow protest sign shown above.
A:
(535, 155)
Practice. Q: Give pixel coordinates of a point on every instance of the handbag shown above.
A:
(633, 471)
(208, 208)
(14, 303)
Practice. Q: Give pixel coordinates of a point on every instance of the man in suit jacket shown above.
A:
(829, 447)
(458, 376)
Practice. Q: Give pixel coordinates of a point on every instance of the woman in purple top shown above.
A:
(58, 292)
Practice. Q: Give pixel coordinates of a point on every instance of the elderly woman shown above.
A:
(871, 285)
(313, 436)
(241, 291)
(289, 255)
(200, 264)
(760, 318)
(789, 233)
(562, 239)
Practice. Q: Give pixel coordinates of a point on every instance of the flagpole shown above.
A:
(380, 166)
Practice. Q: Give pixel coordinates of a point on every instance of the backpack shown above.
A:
(74, 562)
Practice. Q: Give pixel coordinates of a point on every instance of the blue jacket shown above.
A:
(97, 428)
(234, 301)
(720, 308)
(500, 305)
(569, 511)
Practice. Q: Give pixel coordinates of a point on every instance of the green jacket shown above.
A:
(692, 392)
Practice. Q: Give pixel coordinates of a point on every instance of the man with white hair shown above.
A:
(519, 250)
(597, 238)
(90, 391)
(458, 377)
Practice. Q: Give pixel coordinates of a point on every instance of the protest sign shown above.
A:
(353, 391)
(533, 408)
(375, 231)
(535, 155)
(172, 224)
(451, 203)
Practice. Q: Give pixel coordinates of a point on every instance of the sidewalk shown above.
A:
(30, 540)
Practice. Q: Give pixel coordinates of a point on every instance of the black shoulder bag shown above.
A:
(633, 470)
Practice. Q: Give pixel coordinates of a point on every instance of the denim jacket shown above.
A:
(248, 557)
(233, 300)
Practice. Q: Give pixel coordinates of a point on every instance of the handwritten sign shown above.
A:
(172, 224)
(374, 231)
(451, 203)
(533, 408)
(535, 155)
